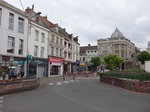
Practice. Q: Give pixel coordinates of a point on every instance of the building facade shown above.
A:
(86, 54)
(118, 45)
(13, 36)
(37, 46)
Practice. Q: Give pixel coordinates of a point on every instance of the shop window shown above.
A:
(36, 35)
(35, 50)
(42, 52)
(11, 44)
(11, 21)
(20, 46)
(20, 25)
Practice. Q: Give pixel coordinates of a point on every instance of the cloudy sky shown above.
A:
(95, 19)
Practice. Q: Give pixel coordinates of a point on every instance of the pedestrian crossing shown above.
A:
(1, 103)
(61, 83)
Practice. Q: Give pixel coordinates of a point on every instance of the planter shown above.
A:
(138, 86)
(11, 86)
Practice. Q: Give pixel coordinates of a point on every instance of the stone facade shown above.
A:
(118, 45)
(86, 54)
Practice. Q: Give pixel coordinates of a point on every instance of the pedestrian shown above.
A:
(22, 74)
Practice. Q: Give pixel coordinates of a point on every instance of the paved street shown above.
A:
(86, 95)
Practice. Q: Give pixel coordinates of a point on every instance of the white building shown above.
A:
(37, 45)
(86, 54)
(13, 37)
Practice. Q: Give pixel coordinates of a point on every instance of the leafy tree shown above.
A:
(112, 61)
(143, 56)
(96, 61)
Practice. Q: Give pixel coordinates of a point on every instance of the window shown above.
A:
(11, 44)
(42, 52)
(20, 25)
(60, 52)
(20, 46)
(83, 58)
(57, 40)
(0, 16)
(60, 41)
(88, 51)
(35, 50)
(36, 35)
(53, 38)
(56, 51)
(11, 21)
(65, 54)
(43, 37)
(52, 51)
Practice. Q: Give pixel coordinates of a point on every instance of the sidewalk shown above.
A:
(52, 79)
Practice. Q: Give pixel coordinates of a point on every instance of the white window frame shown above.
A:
(21, 22)
(20, 46)
(36, 35)
(11, 44)
(43, 37)
(11, 21)
(42, 52)
(35, 50)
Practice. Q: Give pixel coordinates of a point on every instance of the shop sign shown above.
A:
(29, 57)
(55, 60)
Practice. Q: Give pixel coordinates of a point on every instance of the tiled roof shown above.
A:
(47, 23)
(83, 49)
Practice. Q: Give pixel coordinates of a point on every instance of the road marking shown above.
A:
(59, 83)
(71, 80)
(66, 82)
(1, 104)
(50, 84)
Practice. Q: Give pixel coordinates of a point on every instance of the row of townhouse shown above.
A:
(31, 43)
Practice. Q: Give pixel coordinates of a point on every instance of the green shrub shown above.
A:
(136, 76)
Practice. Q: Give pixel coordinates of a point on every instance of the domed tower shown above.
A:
(116, 34)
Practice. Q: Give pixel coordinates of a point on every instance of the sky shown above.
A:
(95, 19)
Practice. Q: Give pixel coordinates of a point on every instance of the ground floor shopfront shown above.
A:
(55, 66)
(38, 67)
(11, 67)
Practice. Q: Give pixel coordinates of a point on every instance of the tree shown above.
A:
(112, 61)
(96, 61)
(143, 56)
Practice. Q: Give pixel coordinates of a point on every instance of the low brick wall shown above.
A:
(143, 87)
(18, 85)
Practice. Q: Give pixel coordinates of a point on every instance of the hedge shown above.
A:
(135, 76)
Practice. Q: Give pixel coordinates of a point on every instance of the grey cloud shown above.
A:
(96, 19)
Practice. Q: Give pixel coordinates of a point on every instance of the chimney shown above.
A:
(33, 7)
(89, 45)
(45, 17)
